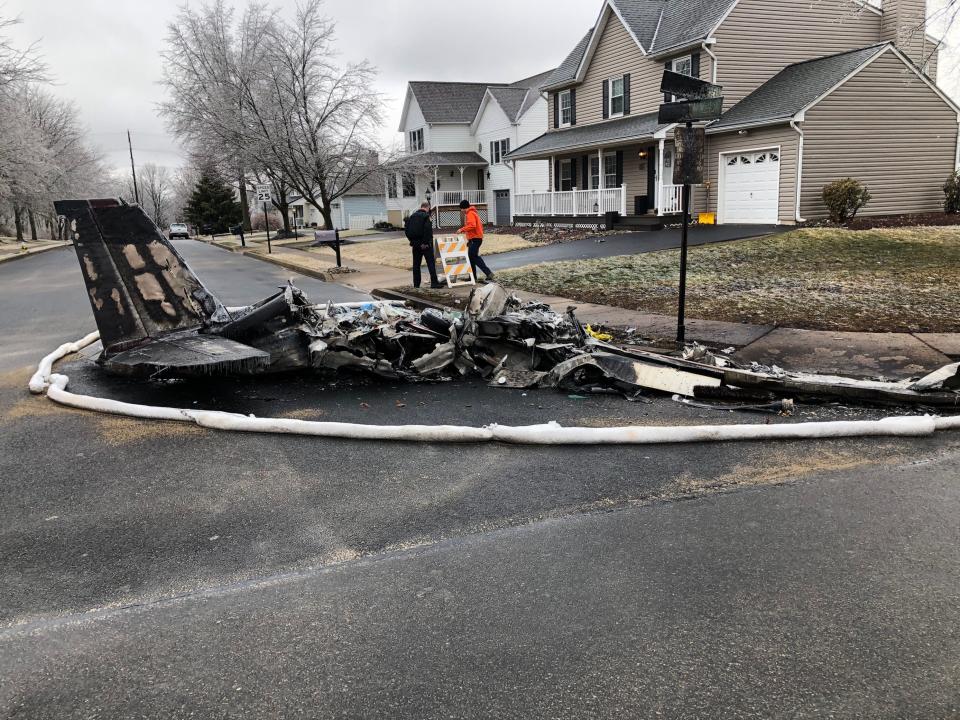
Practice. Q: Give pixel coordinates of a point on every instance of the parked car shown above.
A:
(179, 230)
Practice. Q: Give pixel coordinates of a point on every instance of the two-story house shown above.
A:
(814, 92)
(457, 136)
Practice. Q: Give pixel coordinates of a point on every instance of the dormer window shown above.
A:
(566, 108)
(415, 140)
(616, 96)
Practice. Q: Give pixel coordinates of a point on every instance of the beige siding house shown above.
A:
(813, 92)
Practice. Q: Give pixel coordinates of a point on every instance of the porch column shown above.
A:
(601, 181)
(436, 182)
(461, 168)
(513, 194)
(553, 184)
(663, 144)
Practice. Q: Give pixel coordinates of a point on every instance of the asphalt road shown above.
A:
(628, 244)
(165, 571)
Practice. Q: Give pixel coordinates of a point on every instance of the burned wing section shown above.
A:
(138, 285)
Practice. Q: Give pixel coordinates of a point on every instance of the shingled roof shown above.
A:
(616, 131)
(510, 99)
(658, 25)
(450, 102)
(794, 88)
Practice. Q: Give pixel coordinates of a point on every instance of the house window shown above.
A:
(609, 171)
(566, 175)
(616, 96)
(683, 65)
(415, 140)
(392, 186)
(499, 148)
(566, 108)
(409, 186)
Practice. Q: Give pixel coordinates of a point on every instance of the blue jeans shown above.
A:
(473, 254)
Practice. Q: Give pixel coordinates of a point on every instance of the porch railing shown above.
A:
(573, 203)
(455, 197)
(672, 200)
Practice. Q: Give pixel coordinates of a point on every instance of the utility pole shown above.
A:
(133, 169)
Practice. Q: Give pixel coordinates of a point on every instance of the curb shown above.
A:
(31, 253)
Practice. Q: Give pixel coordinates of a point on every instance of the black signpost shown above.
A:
(702, 102)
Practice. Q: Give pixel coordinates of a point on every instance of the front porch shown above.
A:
(444, 180)
(623, 167)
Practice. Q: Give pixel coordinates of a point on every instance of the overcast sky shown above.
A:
(105, 54)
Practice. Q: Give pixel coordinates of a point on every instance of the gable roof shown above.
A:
(795, 87)
(510, 99)
(657, 26)
(449, 102)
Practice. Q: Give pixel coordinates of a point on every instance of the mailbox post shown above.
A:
(702, 102)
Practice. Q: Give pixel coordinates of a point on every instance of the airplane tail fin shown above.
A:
(139, 286)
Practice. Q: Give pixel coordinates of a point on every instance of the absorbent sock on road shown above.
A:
(552, 433)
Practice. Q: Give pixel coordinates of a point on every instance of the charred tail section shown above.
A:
(138, 284)
(147, 303)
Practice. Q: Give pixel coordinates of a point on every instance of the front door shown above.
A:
(651, 178)
(503, 208)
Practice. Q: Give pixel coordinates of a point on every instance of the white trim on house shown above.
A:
(722, 176)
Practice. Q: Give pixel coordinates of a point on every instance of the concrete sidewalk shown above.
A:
(865, 355)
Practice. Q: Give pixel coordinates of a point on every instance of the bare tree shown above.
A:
(156, 189)
(267, 94)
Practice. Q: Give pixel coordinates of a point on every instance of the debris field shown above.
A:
(157, 320)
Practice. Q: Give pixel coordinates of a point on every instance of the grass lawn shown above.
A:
(882, 280)
(396, 252)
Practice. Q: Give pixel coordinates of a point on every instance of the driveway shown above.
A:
(629, 244)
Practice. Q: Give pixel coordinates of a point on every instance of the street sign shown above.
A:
(688, 87)
(688, 111)
(263, 192)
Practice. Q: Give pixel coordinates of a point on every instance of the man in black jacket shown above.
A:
(419, 231)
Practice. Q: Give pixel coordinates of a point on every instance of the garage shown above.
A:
(750, 187)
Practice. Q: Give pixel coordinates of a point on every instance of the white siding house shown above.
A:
(456, 136)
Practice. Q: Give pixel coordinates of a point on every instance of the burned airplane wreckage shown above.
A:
(157, 320)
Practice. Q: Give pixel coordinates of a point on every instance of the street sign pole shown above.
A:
(266, 222)
(682, 306)
(699, 101)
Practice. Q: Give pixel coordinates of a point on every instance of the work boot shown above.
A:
(489, 279)
(436, 285)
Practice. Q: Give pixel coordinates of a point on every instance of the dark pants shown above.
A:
(421, 253)
(473, 253)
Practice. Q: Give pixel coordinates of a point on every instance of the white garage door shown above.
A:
(751, 187)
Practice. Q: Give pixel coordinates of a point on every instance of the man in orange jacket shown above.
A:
(473, 229)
